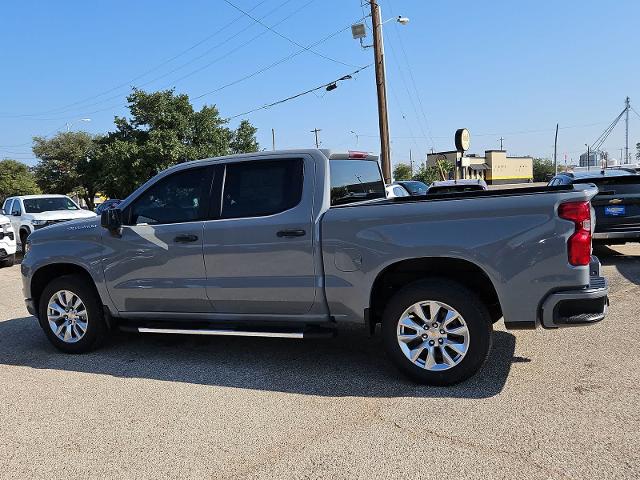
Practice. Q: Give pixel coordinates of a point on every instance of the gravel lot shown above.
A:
(549, 404)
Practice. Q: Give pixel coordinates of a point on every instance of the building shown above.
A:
(594, 160)
(495, 167)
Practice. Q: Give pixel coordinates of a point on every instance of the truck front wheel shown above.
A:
(437, 332)
(71, 316)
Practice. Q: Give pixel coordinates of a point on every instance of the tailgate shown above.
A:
(617, 204)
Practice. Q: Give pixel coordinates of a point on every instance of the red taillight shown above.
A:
(579, 244)
(354, 154)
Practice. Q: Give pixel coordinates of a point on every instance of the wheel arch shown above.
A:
(45, 274)
(404, 272)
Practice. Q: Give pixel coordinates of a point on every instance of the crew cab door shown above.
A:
(156, 263)
(259, 253)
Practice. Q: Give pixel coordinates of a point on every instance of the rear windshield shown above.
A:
(615, 185)
(454, 189)
(354, 181)
(415, 188)
(39, 205)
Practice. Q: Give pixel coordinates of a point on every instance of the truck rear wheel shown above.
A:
(437, 332)
(71, 316)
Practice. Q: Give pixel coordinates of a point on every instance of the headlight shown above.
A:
(37, 223)
(27, 247)
(6, 227)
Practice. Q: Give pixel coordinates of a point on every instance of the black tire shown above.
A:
(460, 298)
(9, 261)
(96, 331)
(23, 242)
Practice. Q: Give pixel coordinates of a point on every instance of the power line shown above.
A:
(241, 79)
(145, 73)
(199, 69)
(276, 63)
(290, 40)
(410, 70)
(297, 95)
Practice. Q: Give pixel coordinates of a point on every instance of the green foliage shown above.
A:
(16, 179)
(433, 173)
(68, 165)
(402, 171)
(244, 138)
(543, 169)
(164, 130)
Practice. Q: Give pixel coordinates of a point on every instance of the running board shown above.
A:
(316, 333)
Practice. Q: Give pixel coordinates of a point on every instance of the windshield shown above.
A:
(615, 185)
(48, 204)
(355, 181)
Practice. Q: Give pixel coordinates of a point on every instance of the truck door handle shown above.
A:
(291, 233)
(185, 238)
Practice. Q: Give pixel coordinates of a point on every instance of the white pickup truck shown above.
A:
(28, 213)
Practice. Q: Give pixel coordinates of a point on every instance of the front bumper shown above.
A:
(582, 306)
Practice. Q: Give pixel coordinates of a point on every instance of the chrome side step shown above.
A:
(230, 333)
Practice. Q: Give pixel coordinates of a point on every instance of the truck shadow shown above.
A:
(627, 265)
(352, 364)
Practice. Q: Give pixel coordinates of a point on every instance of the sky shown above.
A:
(510, 69)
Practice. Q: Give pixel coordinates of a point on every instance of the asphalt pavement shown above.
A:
(548, 404)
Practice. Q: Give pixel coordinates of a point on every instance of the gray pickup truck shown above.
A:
(294, 243)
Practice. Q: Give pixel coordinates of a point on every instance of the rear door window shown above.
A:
(261, 187)
(355, 181)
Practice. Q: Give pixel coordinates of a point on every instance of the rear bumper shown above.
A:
(631, 235)
(582, 306)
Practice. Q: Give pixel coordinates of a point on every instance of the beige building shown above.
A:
(495, 167)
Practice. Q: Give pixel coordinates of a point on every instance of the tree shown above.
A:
(433, 173)
(244, 138)
(16, 179)
(543, 169)
(164, 130)
(402, 171)
(638, 151)
(68, 164)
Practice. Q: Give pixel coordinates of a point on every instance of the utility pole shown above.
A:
(588, 157)
(411, 162)
(555, 150)
(501, 140)
(316, 131)
(626, 132)
(273, 139)
(383, 120)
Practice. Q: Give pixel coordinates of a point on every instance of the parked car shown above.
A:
(296, 243)
(456, 186)
(111, 203)
(617, 204)
(7, 242)
(394, 191)
(29, 213)
(414, 187)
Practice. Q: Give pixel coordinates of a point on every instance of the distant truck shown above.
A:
(296, 243)
(28, 213)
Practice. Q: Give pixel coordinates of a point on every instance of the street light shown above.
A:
(69, 124)
(357, 137)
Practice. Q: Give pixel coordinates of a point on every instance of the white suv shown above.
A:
(31, 212)
(7, 243)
